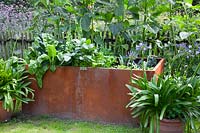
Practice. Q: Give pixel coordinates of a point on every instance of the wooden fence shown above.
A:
(14, 43)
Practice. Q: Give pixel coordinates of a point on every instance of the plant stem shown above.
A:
(172, 36)
(145, 21)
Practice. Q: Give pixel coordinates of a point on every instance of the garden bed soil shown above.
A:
(92, 94)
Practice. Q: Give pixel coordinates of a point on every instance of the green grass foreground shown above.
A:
(45, 124)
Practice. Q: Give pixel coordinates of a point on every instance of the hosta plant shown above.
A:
(14, 84)
(165, 97)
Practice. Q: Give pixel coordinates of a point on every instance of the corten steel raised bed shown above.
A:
(94, 94)
(4, 115)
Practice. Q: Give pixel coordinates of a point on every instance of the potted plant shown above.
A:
(79, 81)
(13, 87)
(165, 104)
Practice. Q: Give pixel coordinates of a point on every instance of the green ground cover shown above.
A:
(45, 124)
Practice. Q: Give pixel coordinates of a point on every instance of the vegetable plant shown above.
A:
(132, 61)
(47, 53)
(44, 55)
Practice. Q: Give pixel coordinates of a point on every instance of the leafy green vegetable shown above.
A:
(47, 53)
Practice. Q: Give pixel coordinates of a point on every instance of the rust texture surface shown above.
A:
(171, 126)
(94, 94)
(4, 115)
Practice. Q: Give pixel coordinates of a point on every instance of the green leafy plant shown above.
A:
(131, 61)
(84, 54)
(47, 53)
(14, 84)
(168, 97)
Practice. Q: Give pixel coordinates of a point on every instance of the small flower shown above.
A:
(14, 19)
(198, 51)
(131, 54)
(142, 47)
(182, 45)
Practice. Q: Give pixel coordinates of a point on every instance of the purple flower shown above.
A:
(131, 54)
(13, 19)
(198, 51)
(197, 46)
(182, 45)
(142, 47)
(190, 50)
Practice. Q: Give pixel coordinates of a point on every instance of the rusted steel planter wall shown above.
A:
(94, 94)
(4, 115)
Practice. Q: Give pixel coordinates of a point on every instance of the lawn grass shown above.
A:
(45, 124)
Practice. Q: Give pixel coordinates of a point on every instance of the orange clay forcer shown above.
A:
(171, 126)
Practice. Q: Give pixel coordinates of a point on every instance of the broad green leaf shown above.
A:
(144, 104)
(119, 11)
(109, 17)
(153, 29)
(196, 7)
(131, 88)
(156, 99)
(39, 75)
(88, 41)
(45, 3)
(143, 98)
(99, 40)
(70, 9)
(172, 2)
(188, 1)
(134, 11)
(53, 68)
(42, 58)
(163, 111)
(67, 57)
(51, 50)
(116, 28)
(32, 67)
(185, 35)
(152, 124)
(85, 22)
(53, 19)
